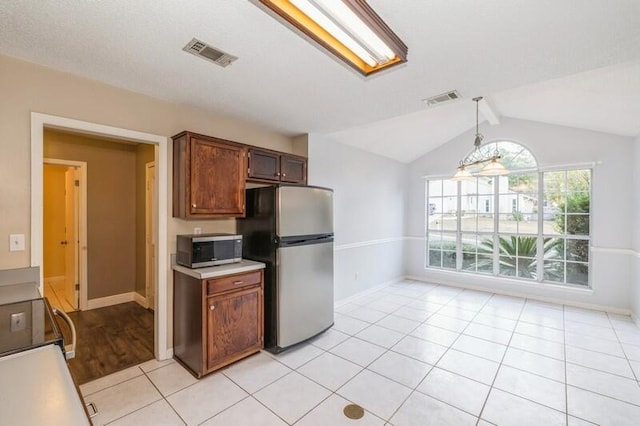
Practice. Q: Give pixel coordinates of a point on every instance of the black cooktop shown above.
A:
(26, 325)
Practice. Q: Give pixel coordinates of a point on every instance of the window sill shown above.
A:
(491, 280)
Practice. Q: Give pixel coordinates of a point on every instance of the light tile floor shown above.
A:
(410, 354)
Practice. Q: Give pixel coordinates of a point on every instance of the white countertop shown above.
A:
(37, 389)
(218, 271)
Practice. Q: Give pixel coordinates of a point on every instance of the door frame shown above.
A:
(81, 245)
(149, 284)
(41, 121)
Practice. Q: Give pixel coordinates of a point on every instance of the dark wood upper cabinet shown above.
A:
(208, 177)
(273, 166)
(264, 165)
(293, 169)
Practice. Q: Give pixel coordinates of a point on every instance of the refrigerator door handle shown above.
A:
(303, 240)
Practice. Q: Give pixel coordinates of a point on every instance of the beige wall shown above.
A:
(27, 88)
(111, 208)
(53, 217)
(144, 154)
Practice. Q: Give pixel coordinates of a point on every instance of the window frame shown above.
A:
(496, 233)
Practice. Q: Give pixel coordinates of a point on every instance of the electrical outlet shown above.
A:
(18, 321)
(16, 242)
(356, 276)
(197, 231)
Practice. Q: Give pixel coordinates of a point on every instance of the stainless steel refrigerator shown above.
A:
(290, 229)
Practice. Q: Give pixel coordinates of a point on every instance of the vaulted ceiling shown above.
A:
(569, 62)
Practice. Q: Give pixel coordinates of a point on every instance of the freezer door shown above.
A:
(305, 292)
(304, 210)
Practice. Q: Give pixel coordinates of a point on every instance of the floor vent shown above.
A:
(211, 54)
(353, 411)
(442, 98)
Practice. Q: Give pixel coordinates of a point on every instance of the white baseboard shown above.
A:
(140, 300)
(362, 293)
(116, 299)
(591, 306)
(168, 354)
(635, 319)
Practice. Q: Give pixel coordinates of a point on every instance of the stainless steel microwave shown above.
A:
(201, 250)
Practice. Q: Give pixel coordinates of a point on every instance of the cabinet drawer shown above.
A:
(233, 282)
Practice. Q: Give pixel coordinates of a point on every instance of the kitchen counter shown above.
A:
(218, 271)
(38, 389)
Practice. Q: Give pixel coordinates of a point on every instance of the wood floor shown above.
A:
(110, 339)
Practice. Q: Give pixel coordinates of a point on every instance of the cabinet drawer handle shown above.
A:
(212, 307)
(237, 282)
(278, 174)
(284, 175)
(193, 205)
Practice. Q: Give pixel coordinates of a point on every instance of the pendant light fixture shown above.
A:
(479, 163)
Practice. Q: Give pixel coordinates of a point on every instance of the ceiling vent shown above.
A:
(442, 98)
(211, 54)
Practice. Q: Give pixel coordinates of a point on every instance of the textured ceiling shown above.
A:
(497, 48)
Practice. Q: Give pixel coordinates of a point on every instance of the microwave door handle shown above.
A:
(70, 350)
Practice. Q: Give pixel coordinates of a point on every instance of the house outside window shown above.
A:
(534, 225)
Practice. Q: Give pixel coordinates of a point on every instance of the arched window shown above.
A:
(514, 156)
(528, 225)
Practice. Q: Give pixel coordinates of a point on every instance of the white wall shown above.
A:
(369, 202)
(635, 276)
(612, 207)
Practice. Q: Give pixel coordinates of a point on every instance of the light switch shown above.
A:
(18, 321)
(16, 242)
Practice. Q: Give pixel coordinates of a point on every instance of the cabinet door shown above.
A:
(234, 326)
(264, 165)
(217, 178)
(293, 169)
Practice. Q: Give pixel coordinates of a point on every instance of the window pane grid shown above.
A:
(442, 217)
(568, 199)
(528, 225)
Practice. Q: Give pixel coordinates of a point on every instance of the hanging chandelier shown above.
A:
(478, 162)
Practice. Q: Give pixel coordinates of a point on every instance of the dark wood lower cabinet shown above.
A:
(234, 326)
(217, 321)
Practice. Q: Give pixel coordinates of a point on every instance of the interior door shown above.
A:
(70, 238)
(150, 242)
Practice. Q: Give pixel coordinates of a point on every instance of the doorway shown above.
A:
(116, 316)
(64, 233)
(39, 122)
